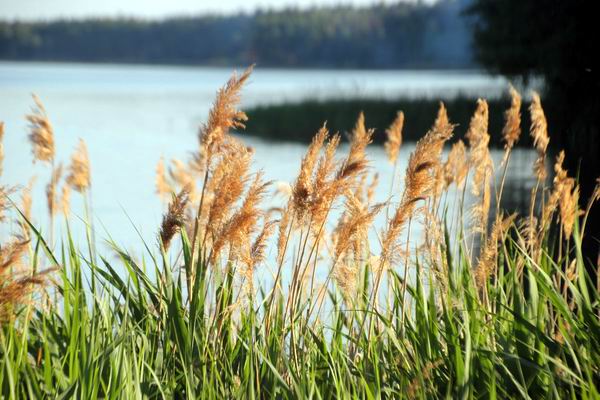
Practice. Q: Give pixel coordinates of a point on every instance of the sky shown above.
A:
(51, 9)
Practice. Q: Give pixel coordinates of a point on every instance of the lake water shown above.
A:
(130, 116)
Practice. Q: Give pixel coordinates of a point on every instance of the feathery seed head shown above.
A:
(512, 116)
(394, 138)
(41, 133)
(539, 133)
(79, 177)
(174, 219)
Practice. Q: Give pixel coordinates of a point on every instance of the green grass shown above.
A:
(137, 336)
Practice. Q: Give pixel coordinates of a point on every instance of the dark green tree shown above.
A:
(556, 40)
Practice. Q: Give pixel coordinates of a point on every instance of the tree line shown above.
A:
(402, 35)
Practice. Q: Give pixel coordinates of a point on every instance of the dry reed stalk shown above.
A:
(41, 133)
(482, 164)
(355, 225)
(79, 177)
(5, 191)
(512, 127)
(394, 138)
(539, 133)
(174, 219)
(255, 254)
(15, 287)
(302, 189)
(510, 134)
(425, 375)
(441, 121)
(359, 140)
(419, 185)
(456, 167)
(213, 136)
(320, 193)
(238, 229)
(565, 196)
(51, 195)
(226, 187)
(372, 188)
(299, 202)
(487, 265)
(223, 116)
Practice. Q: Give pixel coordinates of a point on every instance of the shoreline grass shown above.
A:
(423, 316)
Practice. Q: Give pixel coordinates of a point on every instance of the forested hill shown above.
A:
(403, 35)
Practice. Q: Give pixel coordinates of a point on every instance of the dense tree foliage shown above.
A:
(557, 40)
(386, 36)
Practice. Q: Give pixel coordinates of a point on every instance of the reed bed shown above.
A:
(473, 304)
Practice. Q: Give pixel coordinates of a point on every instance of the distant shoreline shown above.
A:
(239, 67)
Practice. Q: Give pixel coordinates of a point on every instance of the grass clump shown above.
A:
(473, 304)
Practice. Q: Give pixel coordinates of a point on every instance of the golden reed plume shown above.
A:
(223, 115)
(565, 196)
(394, 138)
(539, 133)
(51, 195)
(41, 133)
(456, 167)
(79, 177)
(423, 165)
(512, 127)
(482, 164)
(487, 265)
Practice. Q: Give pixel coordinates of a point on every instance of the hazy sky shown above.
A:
(45, 9)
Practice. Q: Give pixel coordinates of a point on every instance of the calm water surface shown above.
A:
(130, 116)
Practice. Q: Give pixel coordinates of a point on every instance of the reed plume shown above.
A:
(41, 133)
(174, 219)
(482, 164)
(302, 189)
(51, 195)
(359, 140)
(255, 254)
(324, 186)
(441, 121)
(394, 138)
(241, 225)
(223, 115)
(539, 133)
(564, 196)
(487, 265)
(352, 231)
(456, 167)
(15, 287)
(5, 191)
(226, 186)
(512, 127)
(419, 185)
(79, 177)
